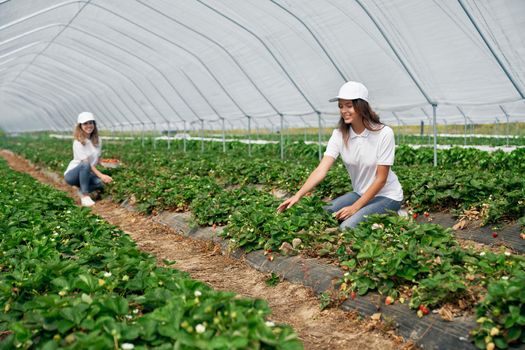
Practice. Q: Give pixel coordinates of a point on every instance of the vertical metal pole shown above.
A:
(507, 130)
(154, 138)
(398, 133)
(471, 129)
(319, 134)
(184, 137)
(305, 134)
(434, 106)
(113, 132)
(168, 134)
(429, 124)
(142, 134)
(465, 140)
(496, 132)
(202, 135)
(507, 125)
(223, 137)
(282, 137)
(287, 128)
(249, 135)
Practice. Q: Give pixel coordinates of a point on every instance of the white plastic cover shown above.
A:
(190, 63)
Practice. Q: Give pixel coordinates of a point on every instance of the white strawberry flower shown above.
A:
(197, 293)
(200, 328)
(127, 346)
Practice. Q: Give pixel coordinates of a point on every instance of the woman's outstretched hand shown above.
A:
(106, 178)
(345, 212)
(287, 203)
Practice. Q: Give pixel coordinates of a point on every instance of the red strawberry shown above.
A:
(353, 295)
(494, 234)
(427, 214)
(424, 309)
(414, 216)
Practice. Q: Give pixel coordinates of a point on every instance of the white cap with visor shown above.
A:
(85, 117)
(351, 90)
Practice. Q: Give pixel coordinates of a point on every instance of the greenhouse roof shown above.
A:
(178, 64)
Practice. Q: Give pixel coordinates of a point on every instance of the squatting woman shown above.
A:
(366, 147)
(82, 171)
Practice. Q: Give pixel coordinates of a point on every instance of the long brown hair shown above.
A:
(370, 119)
(81, 136)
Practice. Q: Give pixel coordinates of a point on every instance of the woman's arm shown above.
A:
(315, 178)
(105, 178)
(377, 185)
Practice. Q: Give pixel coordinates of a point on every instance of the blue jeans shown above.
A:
(378, 205)
(82, 176)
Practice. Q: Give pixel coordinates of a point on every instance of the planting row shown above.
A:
(70, 280)
(467, 179)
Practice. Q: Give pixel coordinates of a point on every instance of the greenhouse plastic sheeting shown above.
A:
(208, 63)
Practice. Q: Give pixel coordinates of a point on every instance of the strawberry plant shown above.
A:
(501, 314)
(71, 280)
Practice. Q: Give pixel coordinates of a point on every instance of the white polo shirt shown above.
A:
(88, 152)
(361, 156)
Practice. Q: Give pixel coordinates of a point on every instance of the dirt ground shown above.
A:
(292, 304)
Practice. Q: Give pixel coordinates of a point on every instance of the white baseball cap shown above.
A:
(351, 90)
(85, 117)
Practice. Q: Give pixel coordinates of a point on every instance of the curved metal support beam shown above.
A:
(53, 39)
(17, 105)
(409, 72)
(71, 109)
(501, 65)
(180, 47)
(42, 100)
(202, 95)
(47, 79)
(140, 59)
(267, 49)
(313, 36)
(90, 77)
(114, 45)
(216, 43)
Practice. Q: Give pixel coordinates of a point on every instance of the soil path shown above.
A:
(292, 304)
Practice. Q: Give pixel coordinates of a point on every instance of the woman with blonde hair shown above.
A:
(82, 171)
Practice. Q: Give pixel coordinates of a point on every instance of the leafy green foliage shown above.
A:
(71, 280)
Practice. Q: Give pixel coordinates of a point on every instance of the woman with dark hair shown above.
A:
(82, 171)
(367, 148)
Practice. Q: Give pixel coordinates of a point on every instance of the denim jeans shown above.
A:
(378, 205)
(82, 176)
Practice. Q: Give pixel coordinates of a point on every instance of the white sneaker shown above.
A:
(87, 201)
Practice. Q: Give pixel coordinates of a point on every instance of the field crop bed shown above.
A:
(290, 303)
(70, 279)
(421, 264)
